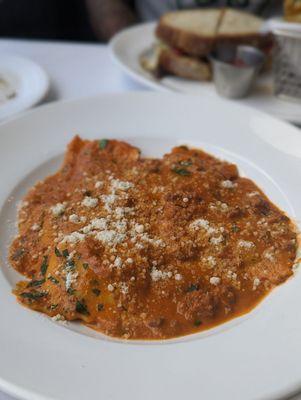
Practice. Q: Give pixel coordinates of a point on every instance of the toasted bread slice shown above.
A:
(237, 23)
(175, 63)
(191, 31)
(197, 32)
(187, 37)
(162, 59)
(239, 27)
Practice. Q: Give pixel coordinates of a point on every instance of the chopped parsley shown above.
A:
(100, 307)
(96, 291)
(18, 254)
(85, 265)
(53, 306)
(33, 295)
(197, 322)
(192, 288)
(81, 307)
(103, 143)
(65, 253)
(57, 252)
(44, 265)
(235, 228)
(53, 279)
(36, 283)
(181, 171)
(70, 290)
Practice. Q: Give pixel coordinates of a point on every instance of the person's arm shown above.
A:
(109, 16)
(269, 8)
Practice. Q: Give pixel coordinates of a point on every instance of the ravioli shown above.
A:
(141, 248)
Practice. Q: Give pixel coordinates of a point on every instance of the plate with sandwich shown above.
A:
(173, 54)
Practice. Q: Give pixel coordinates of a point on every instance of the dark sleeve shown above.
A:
(265, 8)
(268, 8)
(273, 7)
(107, 17)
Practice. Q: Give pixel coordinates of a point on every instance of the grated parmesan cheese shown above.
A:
(90, 202)
(110, 287)
(252, 194)
(58, 209)
(73, 238)
(211, 261)
(231, 275)
(124, 289)
(35, 227)
(121, 211)
(98, 185)
(200, 223)
(139, 228)
(121, 185)
(178, 277)
(216, 240)
(269, 256)
(99, 223)
(156, 274)
(58, 317)
(256, 283)
(70, 279)
(118, 262)
(110, 237)
(227, 184)
(215, 280)
(246, 244)
(74, 218)
(204, 224)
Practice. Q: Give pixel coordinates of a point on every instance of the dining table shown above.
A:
(75, 70)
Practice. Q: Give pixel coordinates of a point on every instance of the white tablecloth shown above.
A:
(75, 70)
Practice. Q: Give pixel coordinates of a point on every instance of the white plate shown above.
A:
(29, 81)
(255, 357)
(127, 46)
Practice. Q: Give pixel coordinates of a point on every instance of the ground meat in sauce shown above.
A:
(148, 248)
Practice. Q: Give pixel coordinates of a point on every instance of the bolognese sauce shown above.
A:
(141, 248)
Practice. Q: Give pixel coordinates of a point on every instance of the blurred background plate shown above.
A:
(23, 84)
(127, 47)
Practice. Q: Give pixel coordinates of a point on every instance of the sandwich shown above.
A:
(186, 39)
